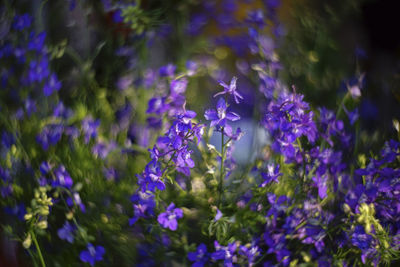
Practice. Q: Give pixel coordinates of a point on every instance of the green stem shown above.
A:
(38, 248)
(221, 178)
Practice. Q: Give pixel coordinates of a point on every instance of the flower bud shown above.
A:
(368, 228)
(28, 216)
(42, 225)
(44, 211)
(346, 208)
(27, 242)
(69, 215)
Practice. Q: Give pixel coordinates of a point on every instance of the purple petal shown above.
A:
(232, 116)
(221, 104)
(173, 225)
(211, 114)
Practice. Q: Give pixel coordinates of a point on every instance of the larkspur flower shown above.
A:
(355, 85)
(7, 139)
(92, 254)
(167, 71)
(143, 206)
(75, 199)
(45, 167)
(89, 128)
(200, 256)
(22, 21)
(52, 85)
(230, 89)
(150, 179)
(37, 42)
(192, 67)
(363, 241)
(178, 87)
(38, 70)
(218, 215)
(61, 111)
(50, 135)
(227, 254)
(219, 116)
(67, 232)
(271, 176)
(168, 219)
(251, 252)
(256, 17)
(352, 115)
(63, 178)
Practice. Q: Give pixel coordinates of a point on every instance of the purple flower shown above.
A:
(321, 182)
(50, 135)
(168, 219)
(200, 256)
(36, 42)
(271, 176)
(92, 254)
(151, 178)
(53, 84)
(117, 16)
(157, 105)
(30, 106)
(66, 232)
(167, 71)
(178, 87)
(196, 24)
(102, 150)
(218, 215)
(38, 70)
(89, 127)
(5, 175)
(251, 252)
(363, 241)
(76, 200)
(45, 167)
(62, 178)
(352, 115)
(124, 82)
(191, 67)
(219, 116)
(143, 206)
(21, 22)
(231, 89)
(183, 158)
(256, 17)
(225, 253)
(61, 111)
(7, 139)
(228, 131)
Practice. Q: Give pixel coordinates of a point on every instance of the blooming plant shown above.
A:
(106, 165)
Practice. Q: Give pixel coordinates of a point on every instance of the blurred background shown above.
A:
(321, 45)
(103, 51)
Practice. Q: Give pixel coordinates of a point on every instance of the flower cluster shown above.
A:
(115, 168)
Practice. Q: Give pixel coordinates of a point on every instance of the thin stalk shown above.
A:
(221, 178)
(38, 248)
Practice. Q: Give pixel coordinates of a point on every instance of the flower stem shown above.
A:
(221, 178)
(38, 249)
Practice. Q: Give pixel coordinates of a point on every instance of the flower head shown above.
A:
(66, 232)
(22, 21)
(271, 175)
(168, 219)
(92, 254)
(230, 89)
(200, 256)
(219, 116)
